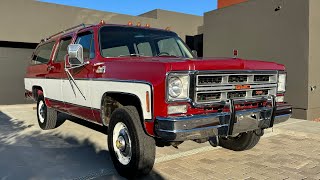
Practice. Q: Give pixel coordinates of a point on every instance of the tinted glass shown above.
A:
(43, 53)
(169, 46)
(87, 42)
(133, 41)
(63, 49)
(144, 49)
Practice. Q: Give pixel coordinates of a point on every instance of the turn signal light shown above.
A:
(147, 101)
(139, 24)
(102, 22)
(235, 53)
(130, 23)
(147, 25)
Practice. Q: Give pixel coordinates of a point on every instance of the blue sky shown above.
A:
(136, 7)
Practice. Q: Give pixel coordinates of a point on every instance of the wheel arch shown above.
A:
(36, 91)
(110, 101)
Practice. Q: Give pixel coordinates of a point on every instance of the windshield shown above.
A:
(132, 41)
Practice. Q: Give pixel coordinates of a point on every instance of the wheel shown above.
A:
(47, 117)
(243, 141)
(131, 149)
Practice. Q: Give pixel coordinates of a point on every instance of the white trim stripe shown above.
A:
(61, 90)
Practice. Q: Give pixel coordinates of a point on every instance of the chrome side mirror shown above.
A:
(75, 52)
(195, 53)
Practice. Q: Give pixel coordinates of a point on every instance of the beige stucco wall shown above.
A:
(29, 21)
(182, 24)
(259, 32)
(314, 59)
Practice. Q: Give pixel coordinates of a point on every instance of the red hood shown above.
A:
(180, 64)
(221, 64)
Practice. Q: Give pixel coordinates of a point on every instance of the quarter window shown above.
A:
(87, 42)
(43, 53)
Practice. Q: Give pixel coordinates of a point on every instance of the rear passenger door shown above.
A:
(57, 73)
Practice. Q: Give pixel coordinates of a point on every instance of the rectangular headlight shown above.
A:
(282, 82)
(178, 87)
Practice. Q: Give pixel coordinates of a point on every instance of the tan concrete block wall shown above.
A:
(314, 57)
(260, 32)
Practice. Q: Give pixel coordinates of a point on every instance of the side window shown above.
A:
(43, 53)
(87, 42)
(63, 49)
(144, 49)
(169, 46)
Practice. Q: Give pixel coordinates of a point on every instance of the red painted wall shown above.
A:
(225, 3)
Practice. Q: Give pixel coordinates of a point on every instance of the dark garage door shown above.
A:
(13, 63)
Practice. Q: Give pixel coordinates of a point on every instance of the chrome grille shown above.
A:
(261, 78)
(204, 97)
(237, 94)
(216, 87)
(237, 78)
(207, 80)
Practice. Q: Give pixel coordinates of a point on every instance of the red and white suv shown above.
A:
(150, 90)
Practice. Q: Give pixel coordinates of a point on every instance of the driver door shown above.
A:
(76, 94)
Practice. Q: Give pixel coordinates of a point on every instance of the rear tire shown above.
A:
(47, 117)
(242, 142)
(131, 149)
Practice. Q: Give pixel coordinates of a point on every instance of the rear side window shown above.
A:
(63, 49)
(43, 53)
(87, 42)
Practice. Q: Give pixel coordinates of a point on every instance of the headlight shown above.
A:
(177, 87)
(282, 82)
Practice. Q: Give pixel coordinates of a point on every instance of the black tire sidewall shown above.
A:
(246, 141)
(119, 166)
(132, 169)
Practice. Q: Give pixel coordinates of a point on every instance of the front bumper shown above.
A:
(221, 124)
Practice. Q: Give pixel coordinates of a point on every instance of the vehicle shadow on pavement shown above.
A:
(28, 153)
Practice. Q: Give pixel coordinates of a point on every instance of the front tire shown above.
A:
(131, 149)
(47, 117)
(242, 142)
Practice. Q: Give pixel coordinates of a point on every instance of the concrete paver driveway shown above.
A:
(78, 150)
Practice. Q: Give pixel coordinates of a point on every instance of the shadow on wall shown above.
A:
(29, 154)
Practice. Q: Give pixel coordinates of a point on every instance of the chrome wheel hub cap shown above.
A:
(122, 143)
(41, 110)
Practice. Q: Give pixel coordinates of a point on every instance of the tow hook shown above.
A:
(259, 132)
(214, 141)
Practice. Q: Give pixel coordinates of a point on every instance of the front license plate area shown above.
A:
(249, 121)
